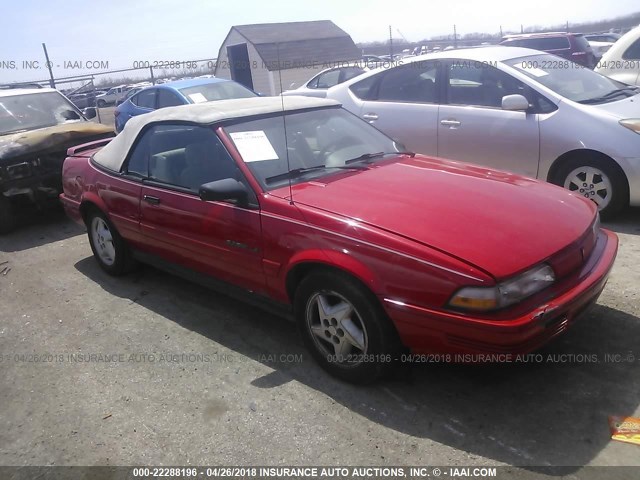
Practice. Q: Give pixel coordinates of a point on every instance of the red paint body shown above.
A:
(414, 230)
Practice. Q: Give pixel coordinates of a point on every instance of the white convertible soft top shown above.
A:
(113, 154)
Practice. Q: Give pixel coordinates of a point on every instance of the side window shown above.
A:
(188, 156)
(314, 82)
(365, 89)
(476, 84)
(329, 79)
(146, 99)
(415, 82)
(167, 98)
(633, 52)
(349, 73)
(138, 163)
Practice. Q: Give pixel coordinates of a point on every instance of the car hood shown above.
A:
(58, 137)
(621, 109)
(496, 221)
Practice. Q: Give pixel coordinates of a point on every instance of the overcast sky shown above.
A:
(124, 31)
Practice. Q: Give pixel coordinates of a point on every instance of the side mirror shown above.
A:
(515, 103)
(224, 190)
(90, 112)
(70, 115)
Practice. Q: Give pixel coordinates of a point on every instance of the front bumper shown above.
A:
(425, 330)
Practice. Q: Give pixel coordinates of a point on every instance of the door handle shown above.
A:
(450, 123)
(151, 200)
(370, 116)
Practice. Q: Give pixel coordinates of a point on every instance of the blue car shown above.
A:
(180, 92)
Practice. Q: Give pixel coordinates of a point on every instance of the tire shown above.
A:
(109, 248)
(333, 345)
(102, 103)
(8, 219)
(596, 178)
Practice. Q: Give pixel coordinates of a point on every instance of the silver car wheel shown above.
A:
(336, 328)
(103, 241)
(591, 183)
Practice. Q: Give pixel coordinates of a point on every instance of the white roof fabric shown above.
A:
(113, 154)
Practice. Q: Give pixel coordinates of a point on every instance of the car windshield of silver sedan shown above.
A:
(216, 91)
(317, 143)
(34, 110)
(571, 80)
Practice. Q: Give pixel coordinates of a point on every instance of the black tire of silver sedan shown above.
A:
(109, 248)
(597, 179)
(8, 220)
(344, 327)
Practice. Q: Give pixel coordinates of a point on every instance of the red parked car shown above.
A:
(300, 205)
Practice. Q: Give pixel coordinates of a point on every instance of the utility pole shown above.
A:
(52, 82)
(567, 26)
(521, 28)
(501, 34)
(455, 37)
(390, 43)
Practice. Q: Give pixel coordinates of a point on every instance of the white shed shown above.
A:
(271, 57)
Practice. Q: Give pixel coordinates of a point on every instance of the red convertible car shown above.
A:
(302, 207)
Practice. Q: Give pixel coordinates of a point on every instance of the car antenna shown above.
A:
(284, 123)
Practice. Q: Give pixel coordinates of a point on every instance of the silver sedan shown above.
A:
(511, 109)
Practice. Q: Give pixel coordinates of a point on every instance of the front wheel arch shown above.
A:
(573, 158)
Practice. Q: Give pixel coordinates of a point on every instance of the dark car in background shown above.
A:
(180, 92)
(37, 126)
(572, 46)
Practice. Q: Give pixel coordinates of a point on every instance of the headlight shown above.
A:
(631, 124)
(505, 293)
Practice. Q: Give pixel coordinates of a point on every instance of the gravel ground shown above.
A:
(198, 378)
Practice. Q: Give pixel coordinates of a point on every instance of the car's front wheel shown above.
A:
(109, 248)
(598, 180)
(344, 327)
(102, 103)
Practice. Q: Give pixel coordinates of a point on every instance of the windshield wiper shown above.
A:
(610, 95)
(368, 157)
(297, 172)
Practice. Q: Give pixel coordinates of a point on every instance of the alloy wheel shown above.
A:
(337, 329)
(591, 183)
(103, 241)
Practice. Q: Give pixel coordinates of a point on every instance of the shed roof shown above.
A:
(300, 44)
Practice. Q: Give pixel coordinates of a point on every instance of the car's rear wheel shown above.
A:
(344, 327)
(8, 219)
(109, 248)
(598, 180)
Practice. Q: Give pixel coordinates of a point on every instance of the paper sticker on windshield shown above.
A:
(197, 97)
(254, 146)
(530, 69)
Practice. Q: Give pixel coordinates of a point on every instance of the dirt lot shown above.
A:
(197, 378)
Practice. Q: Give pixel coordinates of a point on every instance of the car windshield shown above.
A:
(571, 80)
(34, 110)
(318, 142)
(216, 91)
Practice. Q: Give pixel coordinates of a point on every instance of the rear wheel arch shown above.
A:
(86, 207)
